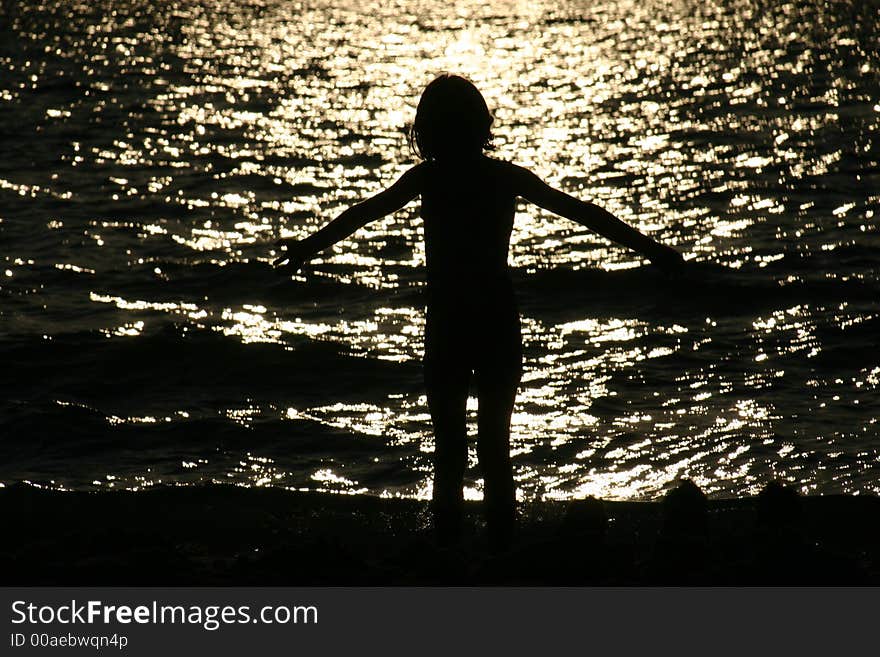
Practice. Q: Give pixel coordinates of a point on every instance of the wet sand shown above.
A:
(222, 535)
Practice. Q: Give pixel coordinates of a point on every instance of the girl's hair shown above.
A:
(452, 120)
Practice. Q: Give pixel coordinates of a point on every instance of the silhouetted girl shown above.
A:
(472, 330)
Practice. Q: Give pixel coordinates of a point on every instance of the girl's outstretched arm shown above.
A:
(407, 187)
(536, 191)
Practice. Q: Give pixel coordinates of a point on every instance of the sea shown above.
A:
(152, 152)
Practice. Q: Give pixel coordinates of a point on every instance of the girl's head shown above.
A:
(452, 120)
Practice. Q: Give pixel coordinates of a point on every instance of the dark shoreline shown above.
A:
(227, 535)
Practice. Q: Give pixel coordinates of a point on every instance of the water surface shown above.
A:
(152, 152)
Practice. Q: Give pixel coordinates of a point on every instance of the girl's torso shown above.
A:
(467, 209)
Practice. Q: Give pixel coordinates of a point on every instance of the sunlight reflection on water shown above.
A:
(194, 135)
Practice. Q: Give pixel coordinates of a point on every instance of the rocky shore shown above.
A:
(226, 535)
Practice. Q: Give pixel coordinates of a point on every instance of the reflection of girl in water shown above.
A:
(472, 329)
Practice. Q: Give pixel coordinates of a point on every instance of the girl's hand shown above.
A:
(297, 256)
(667, 259)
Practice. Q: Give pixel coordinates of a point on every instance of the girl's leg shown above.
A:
(447, 390)
(497, 394)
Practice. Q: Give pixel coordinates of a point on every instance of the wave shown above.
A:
(74, 445)
(701, 287)
(175, 368)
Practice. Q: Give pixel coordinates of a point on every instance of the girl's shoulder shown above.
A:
(508, 170)
(510, 175)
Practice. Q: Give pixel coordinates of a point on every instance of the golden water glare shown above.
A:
(587, 98)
